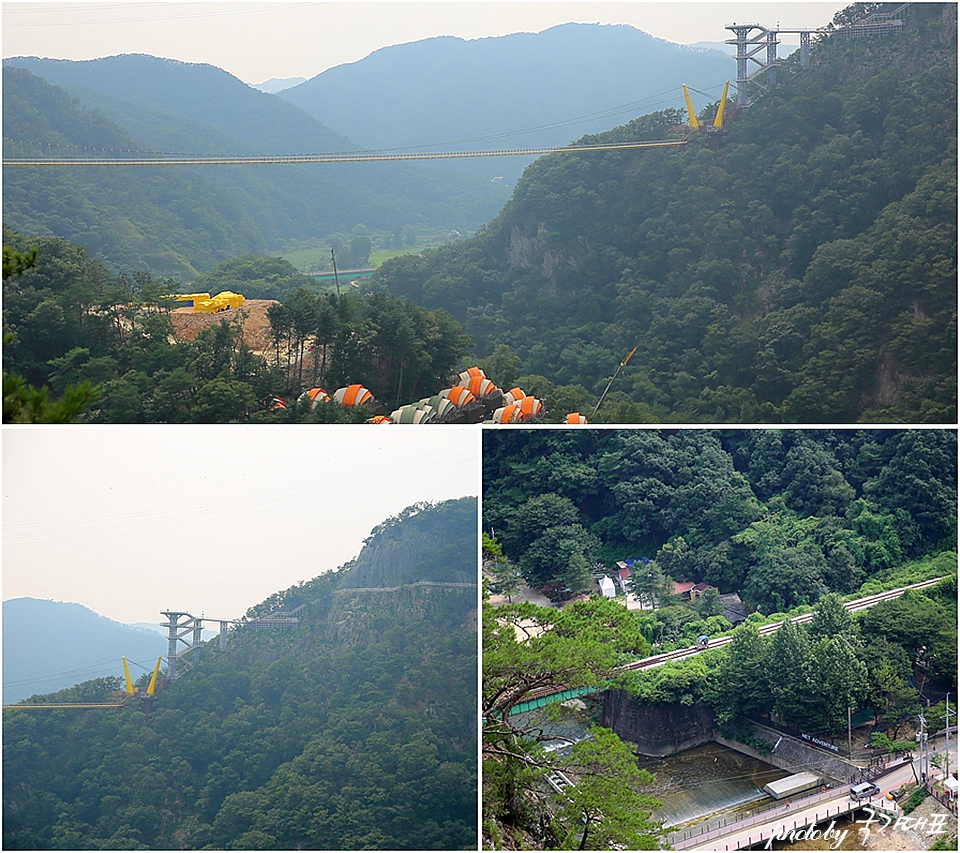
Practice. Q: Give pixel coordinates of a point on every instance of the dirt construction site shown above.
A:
(253, 315)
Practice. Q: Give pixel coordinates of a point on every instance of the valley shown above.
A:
(796, 266)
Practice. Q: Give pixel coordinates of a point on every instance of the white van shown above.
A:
(863, 791)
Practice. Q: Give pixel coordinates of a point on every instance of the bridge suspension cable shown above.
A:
(358, 157)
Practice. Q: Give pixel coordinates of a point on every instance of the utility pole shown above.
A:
(849, 732)
(923, 751)
(946, 774)
(336, 276)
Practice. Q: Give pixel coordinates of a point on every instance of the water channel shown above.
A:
(705, 781)
(692, 785)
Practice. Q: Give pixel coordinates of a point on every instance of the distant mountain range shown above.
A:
(183, 221)
(49, 645)
(522, 90)
(278, 84)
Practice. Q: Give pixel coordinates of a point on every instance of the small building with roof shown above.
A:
(607, 589)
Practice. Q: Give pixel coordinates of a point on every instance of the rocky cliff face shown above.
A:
(420, 566)
(531, 248)
(367, 614)
(423, 543)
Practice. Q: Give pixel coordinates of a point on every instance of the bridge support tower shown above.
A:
(180, 625)
(750, 44)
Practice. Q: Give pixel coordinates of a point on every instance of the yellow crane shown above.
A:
(147, 694)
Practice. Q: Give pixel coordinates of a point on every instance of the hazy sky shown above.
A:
(129, 521)
(257, 41)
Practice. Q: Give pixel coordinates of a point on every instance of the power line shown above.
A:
(665, 97)
(91, 669)
(657, 99)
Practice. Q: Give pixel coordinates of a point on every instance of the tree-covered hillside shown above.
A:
(356, 729)
(704, 529)
(779, 516)
(805, 271)
(183, 220)
(68, 320)
(169, 221)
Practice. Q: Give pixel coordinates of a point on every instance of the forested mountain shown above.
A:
(523, 90)
(805, 271)
(779, 516)
(171, 221)
(69, 322)
(48, 645)
(180, 221)
(151, 96)
(356, 729)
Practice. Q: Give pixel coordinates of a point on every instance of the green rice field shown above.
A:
(317, 258)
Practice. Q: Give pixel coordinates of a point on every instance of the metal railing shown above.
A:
(692, 838)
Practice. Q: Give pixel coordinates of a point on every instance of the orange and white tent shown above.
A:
(530, 407)
(458, 395)
(480, 386)
(514, 395)
(352, 395)
(315, 395)
(470, 373)
(506, 414)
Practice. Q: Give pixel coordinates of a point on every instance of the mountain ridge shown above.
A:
(82, 635)
(798, 268)
(529, 81)
(146, 104)
(353, 728)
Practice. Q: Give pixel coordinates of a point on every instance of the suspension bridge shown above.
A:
(354, 157)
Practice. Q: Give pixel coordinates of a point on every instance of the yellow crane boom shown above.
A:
(691, 115)
(151, 687)
(717, 119)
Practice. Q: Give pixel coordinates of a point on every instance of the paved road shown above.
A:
(820, 808)
(792, 815)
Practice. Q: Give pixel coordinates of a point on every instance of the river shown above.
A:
(705, 781)
(692, 785)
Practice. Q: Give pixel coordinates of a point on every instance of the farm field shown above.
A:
(317, 258)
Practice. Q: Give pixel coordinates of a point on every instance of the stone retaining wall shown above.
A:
(656, 728)
(659, 729)
(793, 755)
